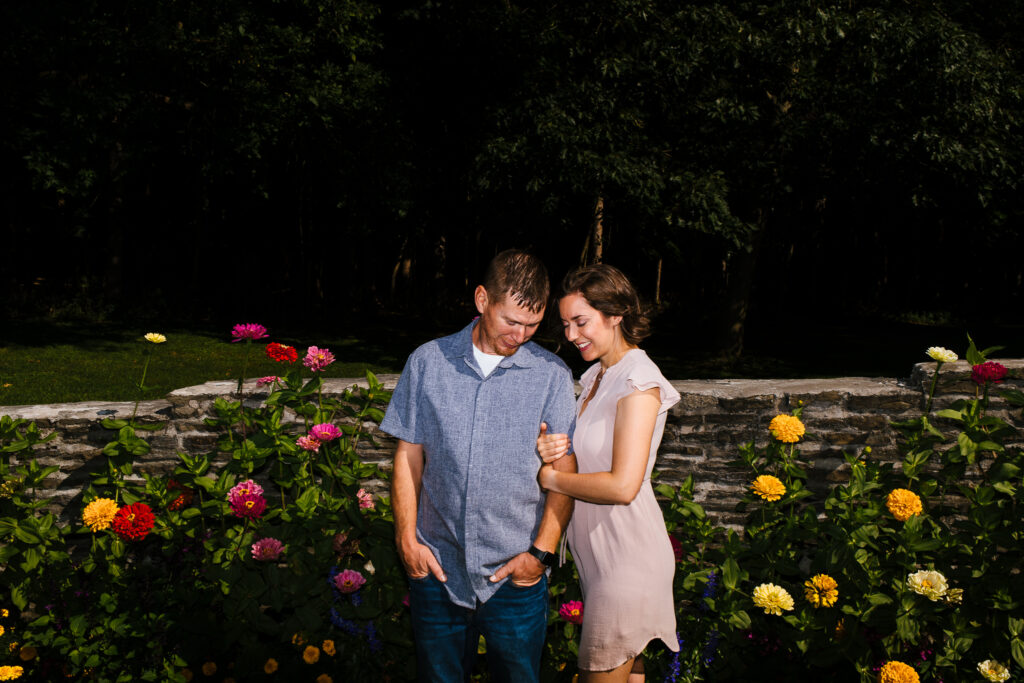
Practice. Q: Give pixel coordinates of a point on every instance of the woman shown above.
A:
(617, 532)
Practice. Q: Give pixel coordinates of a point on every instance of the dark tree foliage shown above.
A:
(259, 158)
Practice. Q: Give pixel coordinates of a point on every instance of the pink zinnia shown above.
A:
(248, 505)
(325, 432)
(572, 611)
(989, 371)
(365, 500)
(267, 549)
(308, 443)
(247, 486)
(348, 581)
(248, 331)
(269, 379)
(317, 359)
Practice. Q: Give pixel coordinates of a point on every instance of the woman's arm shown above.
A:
(635, 417)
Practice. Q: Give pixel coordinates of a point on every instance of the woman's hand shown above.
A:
(546, 477)
(551, 447)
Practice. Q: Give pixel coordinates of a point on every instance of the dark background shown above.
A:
(804, 188)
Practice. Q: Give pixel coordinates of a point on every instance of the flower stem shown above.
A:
(142, 387)
(935, 381)
(245, 366)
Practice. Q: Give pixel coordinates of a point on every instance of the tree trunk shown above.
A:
(657, 284)
(740, 271)
(595, 236)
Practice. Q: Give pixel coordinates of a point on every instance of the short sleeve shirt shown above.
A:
(480, 504)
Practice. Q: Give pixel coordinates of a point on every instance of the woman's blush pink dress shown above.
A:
(622, 552)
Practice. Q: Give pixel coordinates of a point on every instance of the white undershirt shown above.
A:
(486, 361)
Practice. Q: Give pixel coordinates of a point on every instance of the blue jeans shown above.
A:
(513, 623)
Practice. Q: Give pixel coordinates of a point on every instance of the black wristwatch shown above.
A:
(547, 559)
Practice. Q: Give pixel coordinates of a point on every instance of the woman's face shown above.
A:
(593, 333)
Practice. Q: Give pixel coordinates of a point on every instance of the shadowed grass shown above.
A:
(60, 364)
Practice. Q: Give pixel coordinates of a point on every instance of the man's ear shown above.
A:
(480, 299)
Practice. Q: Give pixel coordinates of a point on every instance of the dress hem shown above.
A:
(632, 656)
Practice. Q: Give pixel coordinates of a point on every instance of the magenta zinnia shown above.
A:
(269, 379)
(317, 359)
(246, 499)
(247, 486)
(572, 611)
(267, 549)
(365, 500)
(348, 581)
(133, 522)
(989, 371)
(325, 432)
(248, 505)
(248, 331)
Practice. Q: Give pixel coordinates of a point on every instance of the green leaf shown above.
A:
(1017, 650)
(18, 597)
(740, 620)
(730, 573)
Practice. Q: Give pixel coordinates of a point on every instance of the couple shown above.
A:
(476, 532)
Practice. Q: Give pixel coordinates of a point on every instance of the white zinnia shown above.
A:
(993, 671)
(940, 354)
(928, 583)
(155, 337)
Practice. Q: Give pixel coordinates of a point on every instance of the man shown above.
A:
(474, 531)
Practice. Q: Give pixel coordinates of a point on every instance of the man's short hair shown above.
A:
(521, 275)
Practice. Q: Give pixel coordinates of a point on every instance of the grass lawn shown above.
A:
(48, 362)
(59, 363)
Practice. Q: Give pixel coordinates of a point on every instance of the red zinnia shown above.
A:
(133, 522)
(282, 353)
(989, 371)
(677, 547)
(185, 498)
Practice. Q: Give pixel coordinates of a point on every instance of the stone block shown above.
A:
(763, 403)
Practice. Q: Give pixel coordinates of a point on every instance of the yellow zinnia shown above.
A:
(27, 653)
(328, 648)
(929, 583)
(155, 337)
(98, 513)
(773, 599)
(768, 487)
(941, 354)
(903, 504)
(898, 672)
(821, 591)
(786, 428)
(311, 655)
(993, 671)
(270, 667)
(10, 673)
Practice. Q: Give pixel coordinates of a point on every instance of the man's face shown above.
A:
(504, 325)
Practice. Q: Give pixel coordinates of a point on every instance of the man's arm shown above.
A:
(524, 568)
(406, 481)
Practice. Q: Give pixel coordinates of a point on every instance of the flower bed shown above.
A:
(264, 558)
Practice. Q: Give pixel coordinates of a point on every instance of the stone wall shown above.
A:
(702, 435)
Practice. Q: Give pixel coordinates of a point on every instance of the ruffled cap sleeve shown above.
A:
(643, 374)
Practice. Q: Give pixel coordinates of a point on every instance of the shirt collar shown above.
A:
(462, 347)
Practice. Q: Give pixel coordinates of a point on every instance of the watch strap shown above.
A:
(547, 559)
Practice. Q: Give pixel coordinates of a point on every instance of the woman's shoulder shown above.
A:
(641, 373)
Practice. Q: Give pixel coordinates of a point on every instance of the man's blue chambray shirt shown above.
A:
(480, 504)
